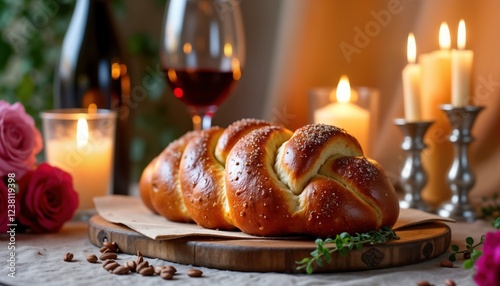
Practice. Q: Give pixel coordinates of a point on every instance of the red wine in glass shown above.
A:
(201, 87)
(203, 52)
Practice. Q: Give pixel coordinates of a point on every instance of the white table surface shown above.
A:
(39, 262)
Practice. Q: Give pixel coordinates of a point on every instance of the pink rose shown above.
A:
(9, 202)
(48, 199)
(20, 140)
(488, 264)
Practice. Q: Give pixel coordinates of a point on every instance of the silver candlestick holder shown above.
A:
(413, 177)
(460, 177)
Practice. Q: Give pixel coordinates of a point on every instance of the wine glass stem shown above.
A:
(202, 118)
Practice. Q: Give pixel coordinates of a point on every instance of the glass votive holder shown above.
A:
(359, 116)
(81, 142)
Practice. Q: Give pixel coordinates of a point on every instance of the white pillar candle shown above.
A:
(411, 83)
(345, 114)
(435, 91)
(82, 145)
(461, 70)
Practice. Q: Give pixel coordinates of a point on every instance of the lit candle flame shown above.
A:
(343, 90)
(82, 133)
(461, 35)
(444, 36)
(411, 49)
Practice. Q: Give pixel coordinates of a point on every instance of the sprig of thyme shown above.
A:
(343, 243)
(491, 206)
(470, 253)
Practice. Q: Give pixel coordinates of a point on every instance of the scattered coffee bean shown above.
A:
(423, 283)
(194, 272)
(68, 257)
(142, 265)
(167, 275)
(139, 253)
(102, 249)
(121, 270)
(449, 282)
(92, 258)
(108, 255)
(147, 271)
(170, 268)
(111, 266)
(107, 261)
(131, 265)
(138, 260)
(446, 263)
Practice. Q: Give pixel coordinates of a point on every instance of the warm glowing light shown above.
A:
(228, 50)
(343, 93)
(123, 69)
(172, 76)
(115, 70)
(82, 133)
(178, 92)
(235, 64)
(461, 35)
(187, 48)
(196, 120)
(444, 36)
(411, 49)
(92, 108)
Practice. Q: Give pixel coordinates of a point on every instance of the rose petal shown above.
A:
(50, 199)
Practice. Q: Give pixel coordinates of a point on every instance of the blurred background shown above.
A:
(292, 47)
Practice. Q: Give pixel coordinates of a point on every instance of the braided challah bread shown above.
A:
(266, 180)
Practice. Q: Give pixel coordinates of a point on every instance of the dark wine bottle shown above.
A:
(92, 70)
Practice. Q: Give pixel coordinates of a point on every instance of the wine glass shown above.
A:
(202, 53)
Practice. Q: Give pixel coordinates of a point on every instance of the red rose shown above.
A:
(8, 207)
(48, 199)
(20, 140)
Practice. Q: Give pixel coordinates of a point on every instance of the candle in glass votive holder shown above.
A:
(81, 142)
(356, 112)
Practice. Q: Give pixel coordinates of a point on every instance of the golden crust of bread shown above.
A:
(267, 180)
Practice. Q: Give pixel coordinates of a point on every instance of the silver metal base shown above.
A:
(460, 177)
(413, 177)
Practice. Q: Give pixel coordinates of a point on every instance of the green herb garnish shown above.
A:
(343, 243)
(470, 253)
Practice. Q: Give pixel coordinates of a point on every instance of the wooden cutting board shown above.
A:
(416, 244)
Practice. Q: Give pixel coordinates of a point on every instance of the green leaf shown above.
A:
(452, 257)
(497, 223)
(344, 235)
(454, 247)
(309, 268)
(476, 254)
(469, 240)
(303, 261)
(468, 264)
